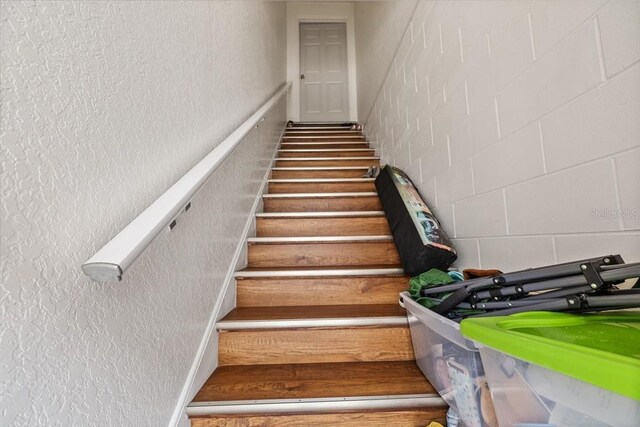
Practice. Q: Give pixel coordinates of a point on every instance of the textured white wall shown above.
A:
(380, 26)
(104, 106)
(520, 123)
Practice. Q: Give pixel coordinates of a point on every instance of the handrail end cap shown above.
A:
(102, 271)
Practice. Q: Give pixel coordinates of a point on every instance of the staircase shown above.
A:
(317, 338)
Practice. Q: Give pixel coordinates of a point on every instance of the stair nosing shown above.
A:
(337, 141)
(316, 322)
(307, 272)
(319, 195)
(328, 214)
(322, 150)
(322, 131)
(316, 159)
(322, 180)
(338, 128)
(322, 125)
(318, 168)
(325, 136)
(310, 405)
(320, 239)
(321, 142)
(346, 128)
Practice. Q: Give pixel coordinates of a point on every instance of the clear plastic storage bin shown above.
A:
(561, 370)
(451, 363)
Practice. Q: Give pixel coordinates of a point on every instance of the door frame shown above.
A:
(301, 14)
(345, 113)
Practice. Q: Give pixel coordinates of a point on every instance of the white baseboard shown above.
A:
(206, 360)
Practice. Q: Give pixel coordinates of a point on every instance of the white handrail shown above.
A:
(110, 262)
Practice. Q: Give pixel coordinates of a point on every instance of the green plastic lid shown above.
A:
(601, 349)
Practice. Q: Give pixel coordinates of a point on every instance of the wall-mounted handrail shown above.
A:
(110, 262)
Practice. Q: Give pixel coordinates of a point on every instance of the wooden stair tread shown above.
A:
(315, 312)
(314, 380)
(412, 417)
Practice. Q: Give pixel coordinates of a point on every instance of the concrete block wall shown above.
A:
(520, 124)
(377, 43)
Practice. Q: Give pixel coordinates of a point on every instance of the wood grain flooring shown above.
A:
(314, 345)
(314, 153)
(418, 417)
(285, 291)
(320, 187)
(313, 380)
(337, 161)
(315, 312)
(271, 347)
(302, 255)
(324, 145)
(321, 138)
(330, 226)
(357, 172)
(295, 132)
(324, 204)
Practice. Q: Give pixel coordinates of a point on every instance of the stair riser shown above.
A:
(323, 145)
(312, 154)
(324, 204)
(322, 138)
(303, 174)
(359, 226)
(322, 133)
(391, 418)
(322, 187)
(333, 162)
(308, 345)
(322, 126)
(277, 292)
(323, 254)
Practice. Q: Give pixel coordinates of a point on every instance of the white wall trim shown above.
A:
(300, 12)
(208, 349)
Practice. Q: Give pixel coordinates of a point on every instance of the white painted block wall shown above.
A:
(519, 121)
(376, 44)
(104, 106)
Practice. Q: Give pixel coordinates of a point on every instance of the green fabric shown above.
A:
(429, 279)
(601, 349)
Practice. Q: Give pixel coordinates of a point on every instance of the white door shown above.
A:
(324, 95)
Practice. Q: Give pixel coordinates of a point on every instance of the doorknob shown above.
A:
(301, 76)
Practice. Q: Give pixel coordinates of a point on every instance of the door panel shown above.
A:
(334, 97)
(314, 98)
(313, 58)
(334, 58)
(324, 92)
